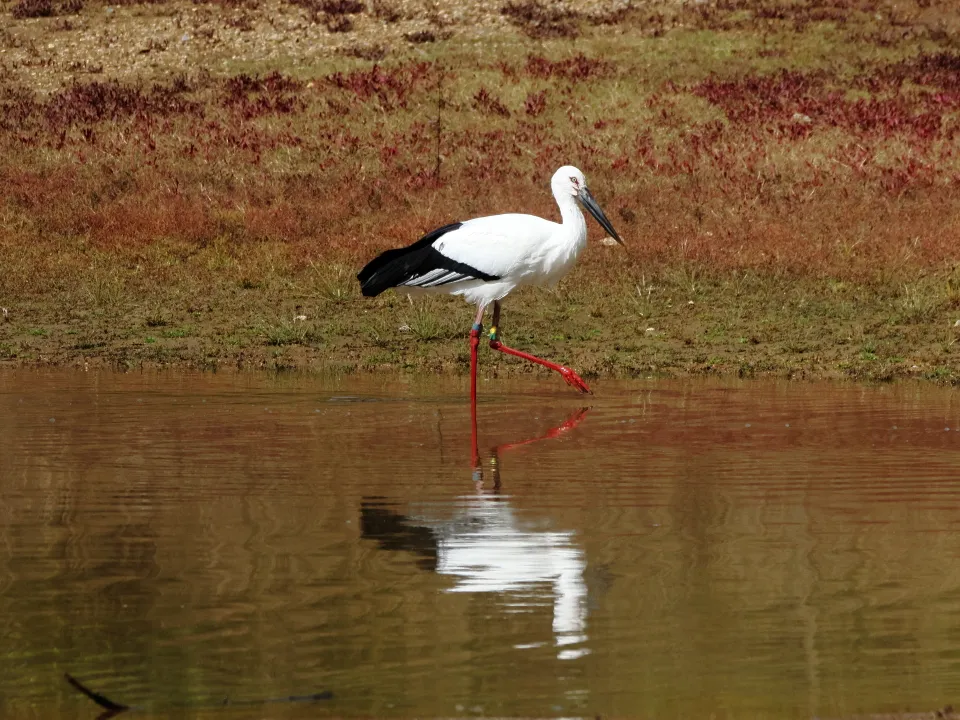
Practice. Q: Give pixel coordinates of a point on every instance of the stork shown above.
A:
(486, 258)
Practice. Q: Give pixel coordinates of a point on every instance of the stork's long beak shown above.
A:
(586, 199)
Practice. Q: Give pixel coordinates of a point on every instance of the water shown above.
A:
(679, 549)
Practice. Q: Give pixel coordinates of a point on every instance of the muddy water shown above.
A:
(677, 549)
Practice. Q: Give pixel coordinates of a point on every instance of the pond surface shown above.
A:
(662, 549)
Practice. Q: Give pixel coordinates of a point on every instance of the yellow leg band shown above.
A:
(493, 333)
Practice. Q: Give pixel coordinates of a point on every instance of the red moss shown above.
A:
(96, 102)
(274, 94)
(797, 103)
(578, 67)
(535, 103)
(392, 87)
(486, 102)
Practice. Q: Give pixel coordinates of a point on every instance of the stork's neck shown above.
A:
(574, 224)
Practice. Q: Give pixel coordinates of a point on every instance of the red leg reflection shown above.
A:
(475, 452)
(568, 375)
(569, 424)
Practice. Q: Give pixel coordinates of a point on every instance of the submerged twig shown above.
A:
(112, 708)
(106, 703)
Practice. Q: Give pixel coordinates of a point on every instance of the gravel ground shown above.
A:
(126, 42)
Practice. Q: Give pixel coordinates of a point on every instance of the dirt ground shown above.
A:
(131, 41)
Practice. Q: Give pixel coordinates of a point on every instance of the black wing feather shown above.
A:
(395, 531)
(395, 267)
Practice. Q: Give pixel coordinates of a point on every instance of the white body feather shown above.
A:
(518, 249)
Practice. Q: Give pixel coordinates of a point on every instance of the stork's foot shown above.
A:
(574, 380)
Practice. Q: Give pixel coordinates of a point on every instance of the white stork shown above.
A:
(484, 259)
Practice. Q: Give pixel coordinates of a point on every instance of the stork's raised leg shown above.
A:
(569, 376)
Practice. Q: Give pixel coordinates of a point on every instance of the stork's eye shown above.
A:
(574, 180)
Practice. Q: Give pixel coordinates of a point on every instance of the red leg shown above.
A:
(569, 376)
(474, 450)
(474, 343)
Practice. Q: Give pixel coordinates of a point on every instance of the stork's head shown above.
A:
(568, 180)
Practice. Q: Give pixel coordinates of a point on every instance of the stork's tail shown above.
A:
(385, 271)
(393, 267)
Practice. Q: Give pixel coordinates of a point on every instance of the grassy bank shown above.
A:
(785, 174)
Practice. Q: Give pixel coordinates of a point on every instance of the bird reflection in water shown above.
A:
(488, 548)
